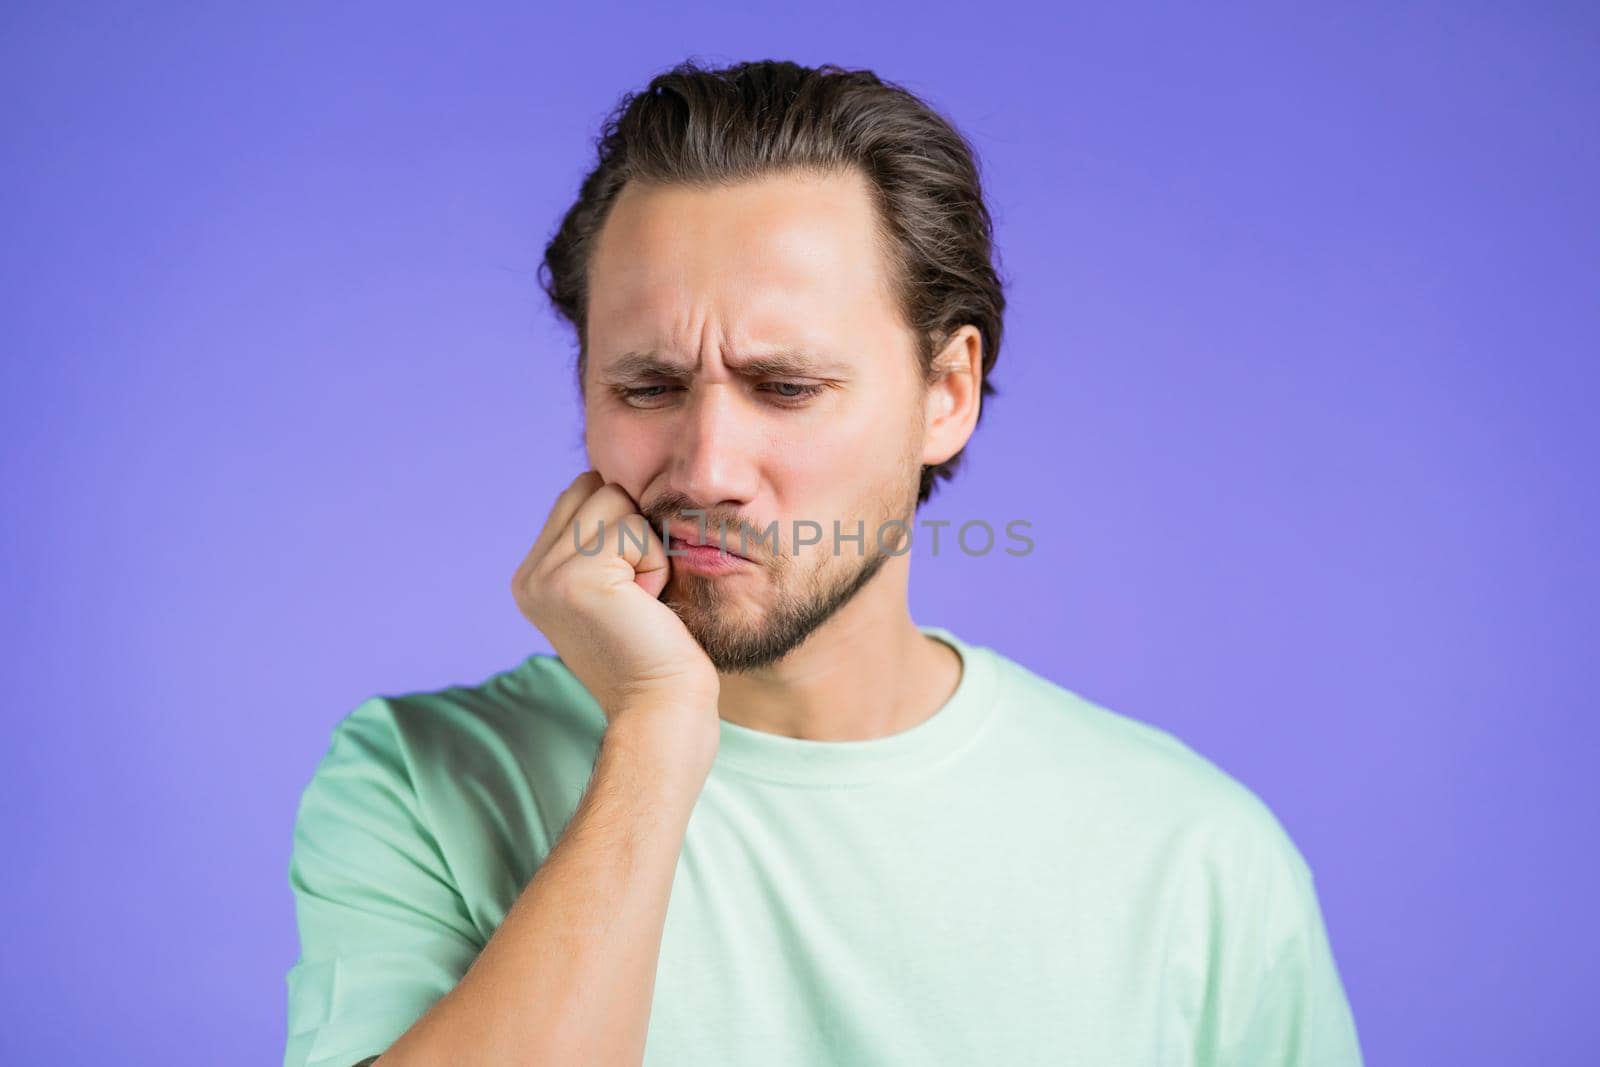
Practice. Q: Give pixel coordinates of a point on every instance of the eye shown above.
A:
(787, 394)
(792, 391)
(636, 394)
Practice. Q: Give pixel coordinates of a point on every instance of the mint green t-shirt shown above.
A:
(1023, 878)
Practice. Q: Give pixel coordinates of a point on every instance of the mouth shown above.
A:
(702, 555)
(689, 536)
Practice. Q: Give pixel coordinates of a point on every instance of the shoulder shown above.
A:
(476, 780)
(1138, 775)
(502, 728)
(536, 700)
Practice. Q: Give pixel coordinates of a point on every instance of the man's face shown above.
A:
(688, 288)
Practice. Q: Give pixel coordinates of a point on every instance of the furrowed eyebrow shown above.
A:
(785, 364)
(634, 365)
(794, 363)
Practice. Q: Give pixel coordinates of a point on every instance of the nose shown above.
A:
(714, 462)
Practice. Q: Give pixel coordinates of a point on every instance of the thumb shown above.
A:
(653, 580)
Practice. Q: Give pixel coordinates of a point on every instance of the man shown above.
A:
(752, 813)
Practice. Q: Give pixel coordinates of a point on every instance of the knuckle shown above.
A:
(561, 585)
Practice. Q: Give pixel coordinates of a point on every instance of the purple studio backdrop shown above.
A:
(1295, 391)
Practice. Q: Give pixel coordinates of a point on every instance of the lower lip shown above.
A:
(704, 559)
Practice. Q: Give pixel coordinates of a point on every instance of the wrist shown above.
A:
(673, 744)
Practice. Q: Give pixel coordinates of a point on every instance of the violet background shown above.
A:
(1296, 390)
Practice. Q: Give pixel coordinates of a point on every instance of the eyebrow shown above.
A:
(794, 362)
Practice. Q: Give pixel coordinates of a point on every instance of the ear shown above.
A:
(955, 396)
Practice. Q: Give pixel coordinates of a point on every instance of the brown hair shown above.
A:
(698, 126)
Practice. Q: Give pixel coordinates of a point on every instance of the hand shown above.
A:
(603, 613)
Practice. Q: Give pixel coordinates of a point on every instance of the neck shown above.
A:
(867, 672)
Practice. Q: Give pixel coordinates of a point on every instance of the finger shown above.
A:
(596, 528)
(566, 505)
(651, 567)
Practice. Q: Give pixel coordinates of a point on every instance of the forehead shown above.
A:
(785, 259)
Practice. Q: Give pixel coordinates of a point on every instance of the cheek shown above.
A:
(825, 471)
(624, 451)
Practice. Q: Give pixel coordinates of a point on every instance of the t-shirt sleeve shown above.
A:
(384, 932)
(1292, 1010)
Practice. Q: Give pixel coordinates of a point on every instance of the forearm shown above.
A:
(569, 975)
